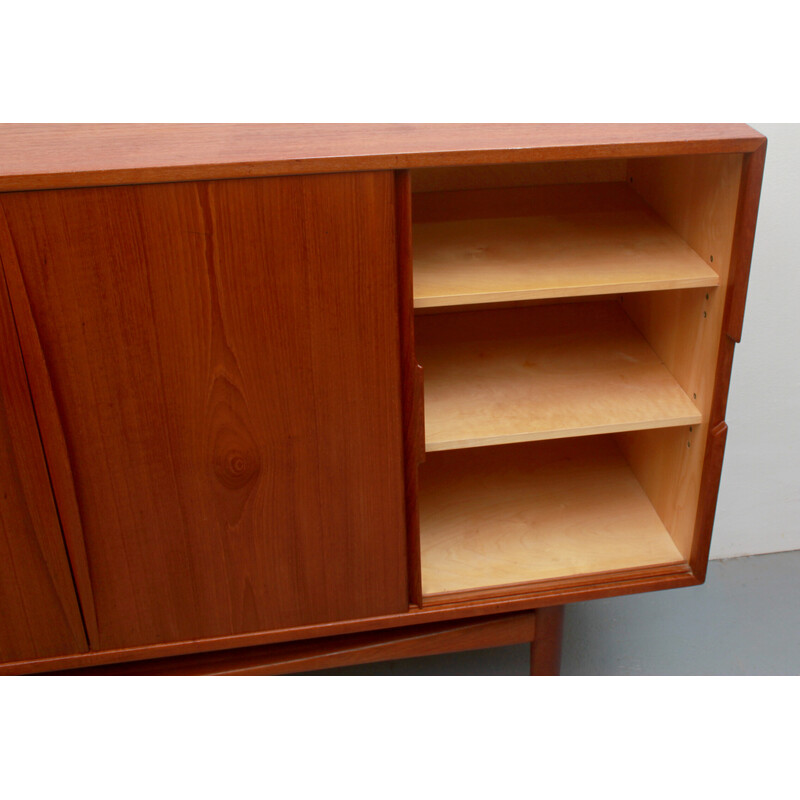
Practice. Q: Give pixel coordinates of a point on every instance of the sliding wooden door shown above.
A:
(224, 364)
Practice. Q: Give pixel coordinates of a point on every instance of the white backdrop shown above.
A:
(759, 501)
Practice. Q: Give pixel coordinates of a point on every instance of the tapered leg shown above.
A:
(546, 647)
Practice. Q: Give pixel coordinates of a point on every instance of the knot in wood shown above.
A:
(236, 467)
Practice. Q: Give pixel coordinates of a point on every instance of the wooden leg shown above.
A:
(546, 647)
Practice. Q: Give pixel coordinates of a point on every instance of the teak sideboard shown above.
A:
(281, 397)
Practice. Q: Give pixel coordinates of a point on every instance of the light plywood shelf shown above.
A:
(551, 255)
(513, 375)
(531, 512)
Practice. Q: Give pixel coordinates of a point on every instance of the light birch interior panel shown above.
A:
(527, 512)
(594, 252)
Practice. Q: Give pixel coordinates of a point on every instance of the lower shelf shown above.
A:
(520, 513)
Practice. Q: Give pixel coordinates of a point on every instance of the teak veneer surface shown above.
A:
(225, 363)
(595, 251)
(50, 156)
(512, 375)
(531, 512)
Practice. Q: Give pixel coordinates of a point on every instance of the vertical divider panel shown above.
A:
(412, 381)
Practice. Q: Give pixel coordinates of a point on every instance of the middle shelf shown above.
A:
(543, 372)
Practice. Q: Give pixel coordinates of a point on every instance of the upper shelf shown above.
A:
(595, 250)
(515, 375)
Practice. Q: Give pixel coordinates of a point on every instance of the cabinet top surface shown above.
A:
(64, 155)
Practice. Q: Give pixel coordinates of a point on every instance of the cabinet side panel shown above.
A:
(697, 196)
(39, 614)
(225, 360)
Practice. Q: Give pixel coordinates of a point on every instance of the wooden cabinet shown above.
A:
(291, 383)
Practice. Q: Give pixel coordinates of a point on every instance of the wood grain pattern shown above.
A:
(224, 358)
(596, 252)
(541, 373)
(39, 614)
(343, 651)
(522, 513)
(50, 156)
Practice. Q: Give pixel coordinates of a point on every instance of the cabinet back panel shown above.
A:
(523, 201)
(225, 361)
(497, 176)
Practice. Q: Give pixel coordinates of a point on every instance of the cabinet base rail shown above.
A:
(542, 628)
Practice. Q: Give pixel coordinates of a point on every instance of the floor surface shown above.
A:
(745, 620)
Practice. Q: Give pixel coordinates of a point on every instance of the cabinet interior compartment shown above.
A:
(559, 445)
(490, 245)
(542, 372)
(567, 321)
(521, 513)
